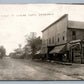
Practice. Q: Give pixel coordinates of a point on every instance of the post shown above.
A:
(81, 53)
(68, 52)
(47, 53)
(71, 54)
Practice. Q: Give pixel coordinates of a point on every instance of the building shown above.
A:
(56, 38)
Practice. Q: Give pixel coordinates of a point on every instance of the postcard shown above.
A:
(41, 42)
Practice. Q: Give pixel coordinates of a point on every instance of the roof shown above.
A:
(55, 22)
(76, 24)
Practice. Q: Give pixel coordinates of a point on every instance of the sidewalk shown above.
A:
(52, 61)
(59, 62)
(63, 63)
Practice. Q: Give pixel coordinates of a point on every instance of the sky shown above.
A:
(18, 20)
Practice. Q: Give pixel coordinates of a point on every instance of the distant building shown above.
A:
(56, 36)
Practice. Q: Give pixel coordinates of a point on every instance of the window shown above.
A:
(58, 39)
(63, 37)
(73, 35)
(49, 40)
(53, 39)
(58, 36)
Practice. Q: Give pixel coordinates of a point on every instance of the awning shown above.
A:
(58, 49)
(38, 52)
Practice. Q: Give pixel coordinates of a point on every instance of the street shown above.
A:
(21, 69)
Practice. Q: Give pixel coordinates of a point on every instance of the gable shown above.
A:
(65, 15)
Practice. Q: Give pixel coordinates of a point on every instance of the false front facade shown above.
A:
(55, 37)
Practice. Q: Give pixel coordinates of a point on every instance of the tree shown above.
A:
(27, 51)
(38, 42)
(2, 51)
(33, 42)
(17, 53)
(19, 45)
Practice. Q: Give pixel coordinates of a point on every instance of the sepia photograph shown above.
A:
(41, 42)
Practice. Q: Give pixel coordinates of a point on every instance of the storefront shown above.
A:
(76, 51)
(59, 53)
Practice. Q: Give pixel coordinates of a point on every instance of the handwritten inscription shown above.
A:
(23, 15)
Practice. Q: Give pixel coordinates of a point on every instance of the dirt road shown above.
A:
(20, 69)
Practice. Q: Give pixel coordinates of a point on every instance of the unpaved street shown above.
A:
(20, 69)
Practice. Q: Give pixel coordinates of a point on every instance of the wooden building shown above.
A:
(57, 37)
